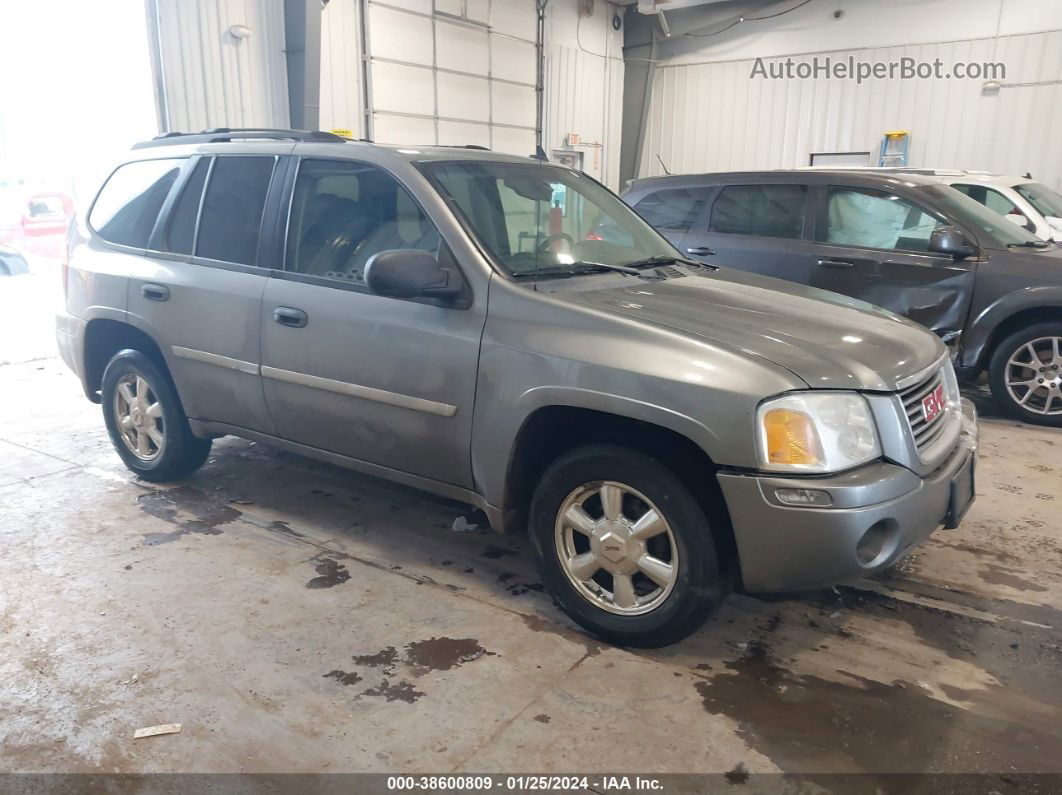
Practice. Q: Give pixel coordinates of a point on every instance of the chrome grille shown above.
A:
(925, 433)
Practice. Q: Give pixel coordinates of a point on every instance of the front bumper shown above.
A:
(878, 513)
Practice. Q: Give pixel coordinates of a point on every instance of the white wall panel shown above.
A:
(514, 141)
(514, 18)
(452, 133)
(712, 117)
(341, 79)
(402, 89)
(584, 87)
(513, 59)
(461, 48)
(391, 129)
(463, 97)
(513, 105)
(215, 80)
(399, 36)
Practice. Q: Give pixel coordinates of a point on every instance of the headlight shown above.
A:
(816, 432)
(952, 396)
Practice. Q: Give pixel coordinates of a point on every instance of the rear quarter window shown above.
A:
(128, 205)
(760, 210)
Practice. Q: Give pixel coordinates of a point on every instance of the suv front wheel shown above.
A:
(624, 547)
(1025, 374)
(146, 422)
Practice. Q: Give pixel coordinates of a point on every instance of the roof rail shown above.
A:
(222, 134)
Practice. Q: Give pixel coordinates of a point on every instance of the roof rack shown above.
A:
(222, 134)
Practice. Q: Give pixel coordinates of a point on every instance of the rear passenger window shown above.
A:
(128, 206)
(181, 233)
(992, 199)
(232, 208)
(342, 213)
(673, 210)
(763, 210)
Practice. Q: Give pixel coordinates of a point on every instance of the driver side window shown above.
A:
(875, 219)
(344, 212)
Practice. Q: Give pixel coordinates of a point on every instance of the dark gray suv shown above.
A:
(450, 319)
(900, 241)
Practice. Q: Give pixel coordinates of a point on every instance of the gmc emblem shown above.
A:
(933, 403)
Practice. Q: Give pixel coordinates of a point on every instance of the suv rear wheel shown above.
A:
(1025, 374)
(624, 546)
(145, 421)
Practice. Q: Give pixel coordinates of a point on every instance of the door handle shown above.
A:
(701, 251)
(287, 316)
(835, 263)
(155, 292)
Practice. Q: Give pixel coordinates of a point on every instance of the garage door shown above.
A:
(453, 72)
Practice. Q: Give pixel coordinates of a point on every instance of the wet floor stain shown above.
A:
(739, 775)
(495, 553)
(542, 718)
(537, 623)
(401, 691)
(517, 588)
(804, 723)
(385, 658)
(442, 654)
(418, 659)
(330, 573)
(344, 677)
(284, 529)
(206, 514)
(1002, 575)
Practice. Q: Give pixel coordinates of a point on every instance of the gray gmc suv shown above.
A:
(449, 319)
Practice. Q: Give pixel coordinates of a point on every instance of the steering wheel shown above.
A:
(559, 236)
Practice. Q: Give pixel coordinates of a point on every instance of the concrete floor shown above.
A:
(298, 617)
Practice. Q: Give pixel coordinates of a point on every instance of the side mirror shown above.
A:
(949, 241)
(410, 273)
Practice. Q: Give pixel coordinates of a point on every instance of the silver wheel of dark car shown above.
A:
(1033, 376)
(138, 413)
(616, 548)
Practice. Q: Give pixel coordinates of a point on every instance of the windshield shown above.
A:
(991, 227)
(1046, 201)
(537, 219)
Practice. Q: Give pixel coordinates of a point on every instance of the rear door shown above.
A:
(756, 228)
(873, 245)
(198, 292)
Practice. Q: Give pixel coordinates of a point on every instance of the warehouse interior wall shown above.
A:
(405, 72)
(706, 63)
(218, 63)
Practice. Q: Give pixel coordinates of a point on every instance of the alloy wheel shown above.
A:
(616, 548)
(1033, 376)
(138, 413)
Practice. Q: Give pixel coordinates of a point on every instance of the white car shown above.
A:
(1027, 203)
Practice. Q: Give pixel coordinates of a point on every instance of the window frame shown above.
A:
(822, 227)
(163, 212)
(706, 200)
(284, 226)
(807, 223)
(262, 244)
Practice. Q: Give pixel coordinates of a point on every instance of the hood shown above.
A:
(828, 340)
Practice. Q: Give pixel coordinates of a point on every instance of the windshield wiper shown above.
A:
(1029, 244)
(576, 269)
(665, 259)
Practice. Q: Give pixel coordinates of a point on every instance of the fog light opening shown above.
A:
(877, 543)
(804, 497)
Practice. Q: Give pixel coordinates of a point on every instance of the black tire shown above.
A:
(181, 452)
(997, 375)
(698, 584)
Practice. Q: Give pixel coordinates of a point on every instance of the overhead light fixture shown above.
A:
(239, 31)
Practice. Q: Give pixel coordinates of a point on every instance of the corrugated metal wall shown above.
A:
(341, 78)
(584, 94)
(213, 79)
(712, 117)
